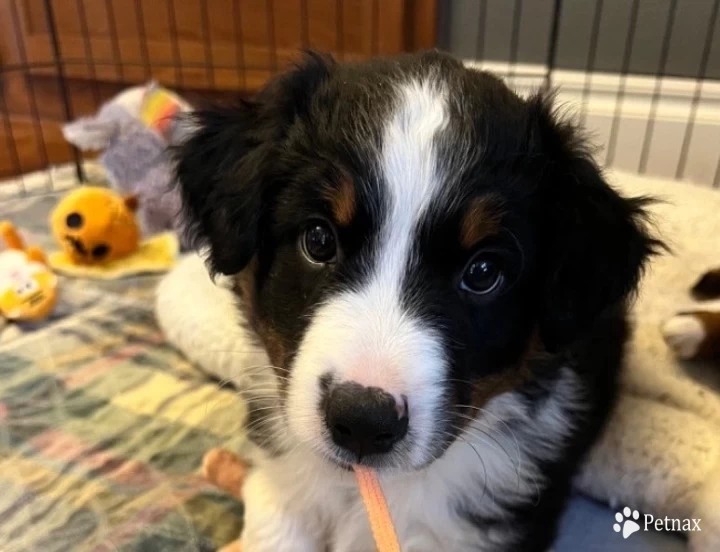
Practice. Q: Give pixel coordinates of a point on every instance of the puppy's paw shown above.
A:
(225, 470)
(684, 334)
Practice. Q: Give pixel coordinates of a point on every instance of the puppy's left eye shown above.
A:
(318, 243)
(483, 275)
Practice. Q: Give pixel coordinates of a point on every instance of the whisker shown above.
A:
(500, 420)
(475, 428)
(482, 462)
(261, 395)
(265, 408)
(486, 438)
(479, 433)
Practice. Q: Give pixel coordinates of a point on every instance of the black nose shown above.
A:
(364, 420)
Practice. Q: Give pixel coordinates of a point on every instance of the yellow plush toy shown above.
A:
(96, 225)
(99, 237)
(28, 288)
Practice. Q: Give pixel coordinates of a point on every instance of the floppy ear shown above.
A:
(219, 172)
(594, 242)
(225, 162)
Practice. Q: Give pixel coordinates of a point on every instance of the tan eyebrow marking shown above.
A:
(481, 219)
(343, 200)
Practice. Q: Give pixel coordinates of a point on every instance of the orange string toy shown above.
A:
(227, 470)
(378, 513)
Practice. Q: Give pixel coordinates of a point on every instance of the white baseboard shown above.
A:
(594, 99)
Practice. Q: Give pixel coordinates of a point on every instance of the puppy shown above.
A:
(439, 275)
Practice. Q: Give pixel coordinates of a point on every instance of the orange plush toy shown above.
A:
(28, 288)
(226, 471)
(99, 237)
(95, 225)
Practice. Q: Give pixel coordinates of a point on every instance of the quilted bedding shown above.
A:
(103, 426)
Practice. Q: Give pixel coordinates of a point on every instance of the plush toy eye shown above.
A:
(100, 251)
(318, 243)
(483, 275)
(74, 220)
(28, 286)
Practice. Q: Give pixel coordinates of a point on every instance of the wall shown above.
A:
(668, 126)
(462, 34)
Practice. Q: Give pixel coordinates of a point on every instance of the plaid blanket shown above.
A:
(103, 426)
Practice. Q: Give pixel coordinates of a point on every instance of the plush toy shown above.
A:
(28, 288)
(134, 129)
(95, 225)
(226, 471)
(694, 333)
(99, 237)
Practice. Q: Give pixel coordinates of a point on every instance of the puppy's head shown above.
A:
(405, 235)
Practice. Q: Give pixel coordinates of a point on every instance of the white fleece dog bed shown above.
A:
(661, 451)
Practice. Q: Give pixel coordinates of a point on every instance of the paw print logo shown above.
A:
(627, 522)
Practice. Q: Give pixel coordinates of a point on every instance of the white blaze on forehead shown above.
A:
(409, 169)
(409, 160)
(366, 334)
(412, 184)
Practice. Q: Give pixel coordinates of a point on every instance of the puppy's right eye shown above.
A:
(318, 243)
(483, 275)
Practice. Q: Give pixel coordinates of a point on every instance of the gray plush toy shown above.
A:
(133, 130)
